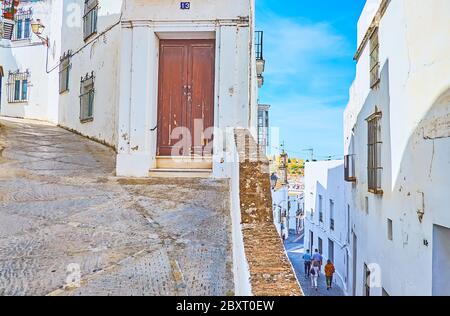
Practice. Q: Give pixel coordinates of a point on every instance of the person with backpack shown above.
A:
(329, 272)
(317, 260)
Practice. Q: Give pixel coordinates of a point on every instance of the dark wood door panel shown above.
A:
(201, 102)
(172, 101)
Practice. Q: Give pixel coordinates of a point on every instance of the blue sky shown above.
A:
(309, 47)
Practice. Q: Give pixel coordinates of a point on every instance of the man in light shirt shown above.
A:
(317, 260)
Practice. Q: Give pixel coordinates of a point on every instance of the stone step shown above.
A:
(180, 173)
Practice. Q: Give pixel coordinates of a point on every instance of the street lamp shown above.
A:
(38, 28)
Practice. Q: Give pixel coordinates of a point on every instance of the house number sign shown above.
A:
(185, 5)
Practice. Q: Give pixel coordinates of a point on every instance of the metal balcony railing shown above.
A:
(349, 167)
(259, 45)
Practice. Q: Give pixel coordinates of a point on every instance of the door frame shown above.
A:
(186, 118)
(188, 33)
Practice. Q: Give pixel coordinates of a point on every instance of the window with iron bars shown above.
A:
(320, 209)
(374, 59)
(87, 92)
(64, 73)
(331, 215)
(374, 168)
(90, 18)
(18, 84)
(22, 20)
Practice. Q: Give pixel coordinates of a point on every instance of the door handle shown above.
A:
(189, 93)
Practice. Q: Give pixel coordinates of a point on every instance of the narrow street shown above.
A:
(295, 250)
(65, 216)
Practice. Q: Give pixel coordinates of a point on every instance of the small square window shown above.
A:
(18, 85)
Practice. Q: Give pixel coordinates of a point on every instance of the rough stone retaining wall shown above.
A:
(271, 273)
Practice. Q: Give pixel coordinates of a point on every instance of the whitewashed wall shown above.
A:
(414, 97)
(100, 54)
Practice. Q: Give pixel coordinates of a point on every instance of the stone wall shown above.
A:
(271, 273)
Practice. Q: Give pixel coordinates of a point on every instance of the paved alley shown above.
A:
(68, 226)
(295, 250)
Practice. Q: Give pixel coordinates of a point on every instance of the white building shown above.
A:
(397, 141)
(280, 200)
(159, 81)
(27, 89)
(296, 212)
(326, 216)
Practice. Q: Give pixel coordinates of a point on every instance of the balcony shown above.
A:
(349, 167)
(259, 52)
(8, 10)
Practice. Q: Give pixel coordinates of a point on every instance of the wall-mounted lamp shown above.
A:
(38, 28)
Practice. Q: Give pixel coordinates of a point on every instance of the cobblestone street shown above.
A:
(295, 250)
(62, 210)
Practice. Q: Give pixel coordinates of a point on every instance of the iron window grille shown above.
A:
(17, 86)
(87, 93)
(90, 18)
(64, 72)
(22, 20)
(374, 59)
(374, 168)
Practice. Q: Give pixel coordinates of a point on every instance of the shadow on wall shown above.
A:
(425, 163)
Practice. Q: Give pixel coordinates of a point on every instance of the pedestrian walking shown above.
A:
(307, 261)
(314, 272)
(329, 272)
(317, 258)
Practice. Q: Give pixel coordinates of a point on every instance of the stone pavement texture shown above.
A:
(295, 252)
(63, 213)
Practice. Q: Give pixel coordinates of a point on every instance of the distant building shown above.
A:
(326, 218)
(296, 212)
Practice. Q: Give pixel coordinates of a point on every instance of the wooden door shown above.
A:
(186, 97)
